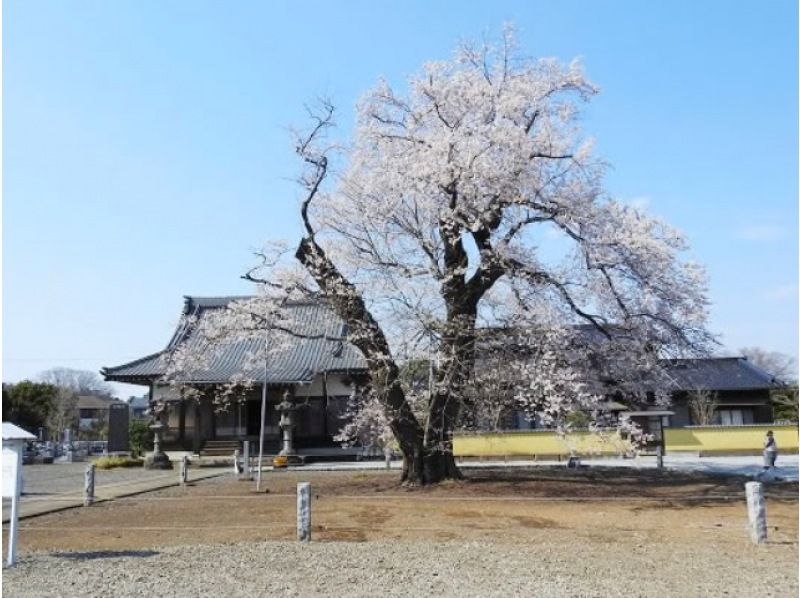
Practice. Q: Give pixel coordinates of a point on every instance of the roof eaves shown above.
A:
(110, 370)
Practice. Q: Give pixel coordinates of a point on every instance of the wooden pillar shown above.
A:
(182, 423)
(325, 405)
(198, 429)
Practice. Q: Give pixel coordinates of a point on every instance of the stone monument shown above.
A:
(118, 428)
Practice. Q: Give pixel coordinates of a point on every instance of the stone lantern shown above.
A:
(287, 409)
(158, 459)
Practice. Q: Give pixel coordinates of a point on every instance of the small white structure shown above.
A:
(14, 439)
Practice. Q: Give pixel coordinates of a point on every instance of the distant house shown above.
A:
(92, 410)
(316, 370)
(741, 392)
(139, 406)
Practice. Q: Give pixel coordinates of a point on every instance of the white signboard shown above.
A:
(10, 476)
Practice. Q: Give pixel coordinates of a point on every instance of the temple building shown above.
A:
(318, 373)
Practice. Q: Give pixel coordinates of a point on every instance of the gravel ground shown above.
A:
(542, 532)
(561, 567)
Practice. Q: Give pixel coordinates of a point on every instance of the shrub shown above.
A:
(112, 462)
(140, 437)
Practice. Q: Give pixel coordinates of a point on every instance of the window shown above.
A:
(733, 417)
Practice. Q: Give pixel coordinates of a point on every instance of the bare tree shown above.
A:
(81, 382)
(785, 403)
(64, 415)
(703, 406)
(70, 384)
(781, 366)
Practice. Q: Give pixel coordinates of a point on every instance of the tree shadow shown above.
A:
(104, 554)
(678, 489)
(610, 476)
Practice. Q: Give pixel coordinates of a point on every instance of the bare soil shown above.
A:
(599, 505)
(543, 532)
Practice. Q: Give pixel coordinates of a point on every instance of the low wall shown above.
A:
(695, 439)
(535, 443)
(729, 439)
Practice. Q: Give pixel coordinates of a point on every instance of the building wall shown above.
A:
(681, 417)
(316, 421)
(335, 386)
(703, 440)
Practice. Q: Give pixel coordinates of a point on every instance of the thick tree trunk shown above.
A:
(424, 466)
(427, 452)
(441, 465)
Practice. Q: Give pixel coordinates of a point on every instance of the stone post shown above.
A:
(184, 470)
(236, 469)
(756, 512)
(304, 512)
(88, 485)
(660, 457)
(246, 460)
(387, 454)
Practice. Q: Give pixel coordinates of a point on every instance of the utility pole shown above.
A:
(263, 416)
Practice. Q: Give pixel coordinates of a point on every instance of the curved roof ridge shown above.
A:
(300, 360)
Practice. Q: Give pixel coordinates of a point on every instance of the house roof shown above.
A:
(719, 373)
(95, 402)
(297, 362)
(139, 402)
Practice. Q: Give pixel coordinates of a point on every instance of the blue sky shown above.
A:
(145, 145)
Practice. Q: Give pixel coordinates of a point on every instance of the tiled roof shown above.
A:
(95, 402)
(299, 361)
(719, 373)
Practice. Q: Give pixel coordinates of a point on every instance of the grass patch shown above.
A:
(113, 462)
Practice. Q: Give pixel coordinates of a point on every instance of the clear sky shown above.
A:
(145, 145)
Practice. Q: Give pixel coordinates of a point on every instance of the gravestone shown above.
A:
(118, 428)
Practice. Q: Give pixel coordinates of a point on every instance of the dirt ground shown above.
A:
(506, 506)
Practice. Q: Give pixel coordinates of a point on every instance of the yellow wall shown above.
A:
(533, 443)
(729, 438)
(711, 439)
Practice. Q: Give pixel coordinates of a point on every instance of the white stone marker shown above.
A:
(184, 470)
(304, 511)
(756, 512)
(246, 460)
(236, 462)
(387, 454)
(14, 439)
(88, 485)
